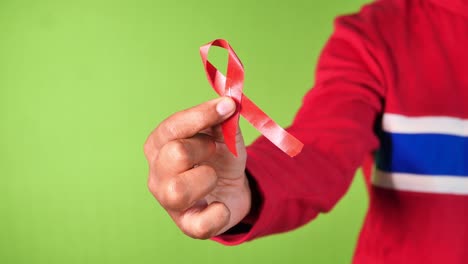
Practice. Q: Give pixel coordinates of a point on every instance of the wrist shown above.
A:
(255, 201)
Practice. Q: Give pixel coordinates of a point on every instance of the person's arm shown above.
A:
(336, 124)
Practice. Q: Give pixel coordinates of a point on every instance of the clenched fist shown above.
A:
(193, 175)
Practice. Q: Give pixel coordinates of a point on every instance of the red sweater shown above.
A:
(391, 83)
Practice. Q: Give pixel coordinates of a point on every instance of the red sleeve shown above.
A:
(336, 125)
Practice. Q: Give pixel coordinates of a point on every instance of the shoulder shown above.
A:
(377, 18)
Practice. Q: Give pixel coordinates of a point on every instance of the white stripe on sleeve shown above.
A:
(421, 183)
(394, 123)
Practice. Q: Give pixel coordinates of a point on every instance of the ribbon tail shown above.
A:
(271, 130)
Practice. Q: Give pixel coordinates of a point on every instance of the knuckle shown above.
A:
(209, 175)
(148, 147)
(202, 230)
(198, 230)
(177, 151)
(152, 186)
(210, 171)
(224, 216)
(176, 196)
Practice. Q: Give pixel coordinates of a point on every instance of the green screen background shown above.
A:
(82, 83)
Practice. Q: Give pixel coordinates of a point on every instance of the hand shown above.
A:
(193, 175)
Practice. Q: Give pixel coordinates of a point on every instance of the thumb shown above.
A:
(204, 222)
(187, 123)
(225, 107)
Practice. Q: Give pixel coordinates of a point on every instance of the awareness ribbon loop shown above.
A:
(231, 85)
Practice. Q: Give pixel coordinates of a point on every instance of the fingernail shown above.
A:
(225, 106)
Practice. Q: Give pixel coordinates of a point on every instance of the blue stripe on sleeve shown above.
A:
(430, 154)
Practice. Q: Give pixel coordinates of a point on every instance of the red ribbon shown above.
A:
(231, 85)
